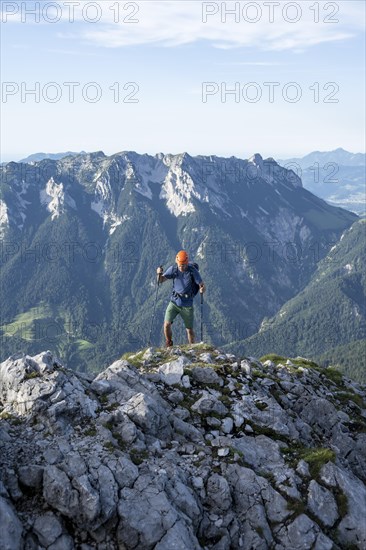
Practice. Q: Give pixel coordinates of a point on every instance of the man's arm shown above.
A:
(160, 276)
(167, 275)
(198, 280)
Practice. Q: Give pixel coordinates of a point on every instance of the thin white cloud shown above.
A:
(73, 52)
(253, 64)
(171, 23)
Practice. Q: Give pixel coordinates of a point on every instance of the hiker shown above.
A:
(185, 277)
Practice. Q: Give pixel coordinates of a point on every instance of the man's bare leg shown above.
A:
(168, 331)
(190, 335)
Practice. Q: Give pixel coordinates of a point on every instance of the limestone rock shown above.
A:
(208, 404)
(206, 375)
(144, 411)
(352, 526)
(322, 504)
(31, 476)
(124, 461)
(11, 527)
(58, 492)
(47, 528)
(218, 493)
(171, 373)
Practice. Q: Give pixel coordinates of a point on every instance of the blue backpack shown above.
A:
(195, 286)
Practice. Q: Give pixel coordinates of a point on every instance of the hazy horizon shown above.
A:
(108, 154)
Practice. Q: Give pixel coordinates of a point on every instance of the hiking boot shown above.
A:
(169, 343)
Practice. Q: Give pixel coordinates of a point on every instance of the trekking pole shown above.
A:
(201, 316)
(153, 315)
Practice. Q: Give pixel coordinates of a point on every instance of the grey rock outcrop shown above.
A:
(186, 449)
(11, 527)
(322, 504)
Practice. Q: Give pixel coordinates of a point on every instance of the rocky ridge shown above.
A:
(186, 449)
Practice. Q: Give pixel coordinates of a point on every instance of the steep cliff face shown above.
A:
(183, 449)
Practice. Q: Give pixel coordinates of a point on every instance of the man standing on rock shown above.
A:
(185, 277)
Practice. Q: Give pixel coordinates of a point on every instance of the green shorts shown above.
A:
(185, 312)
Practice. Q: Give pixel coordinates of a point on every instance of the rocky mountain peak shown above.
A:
(256, 159)
(187, 448)
(94, 156)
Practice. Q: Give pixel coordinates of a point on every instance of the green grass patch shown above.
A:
(138, 457)
(305, 363)
(225, 400)
(187, 402)
(269, 476)
(258, 374)
(344, 397)
(261, 405)
(276, 359)
(298, 362)
(33, 374)
(276, 394)
(264, 430)
(112, 406)
(22, 326)
(14, 420)
(83, 345)
(296, 506)
(119, 439)
(135, 359)
(342, 502)
(357, 425)
(316, 458)
(334, 375)
(199, 347)
(90, 432)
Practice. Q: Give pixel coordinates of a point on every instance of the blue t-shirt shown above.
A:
(183, 284)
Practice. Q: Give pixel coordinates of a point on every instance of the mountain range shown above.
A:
(339, 156)
(36, 157)
(338, 176)
(81, 238)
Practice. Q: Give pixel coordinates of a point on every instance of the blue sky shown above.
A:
(169, 53)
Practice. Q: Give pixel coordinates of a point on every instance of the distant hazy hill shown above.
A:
(36, 157)
(339, 177)
(340, 156)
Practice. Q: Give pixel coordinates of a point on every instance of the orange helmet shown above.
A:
(182, 257)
